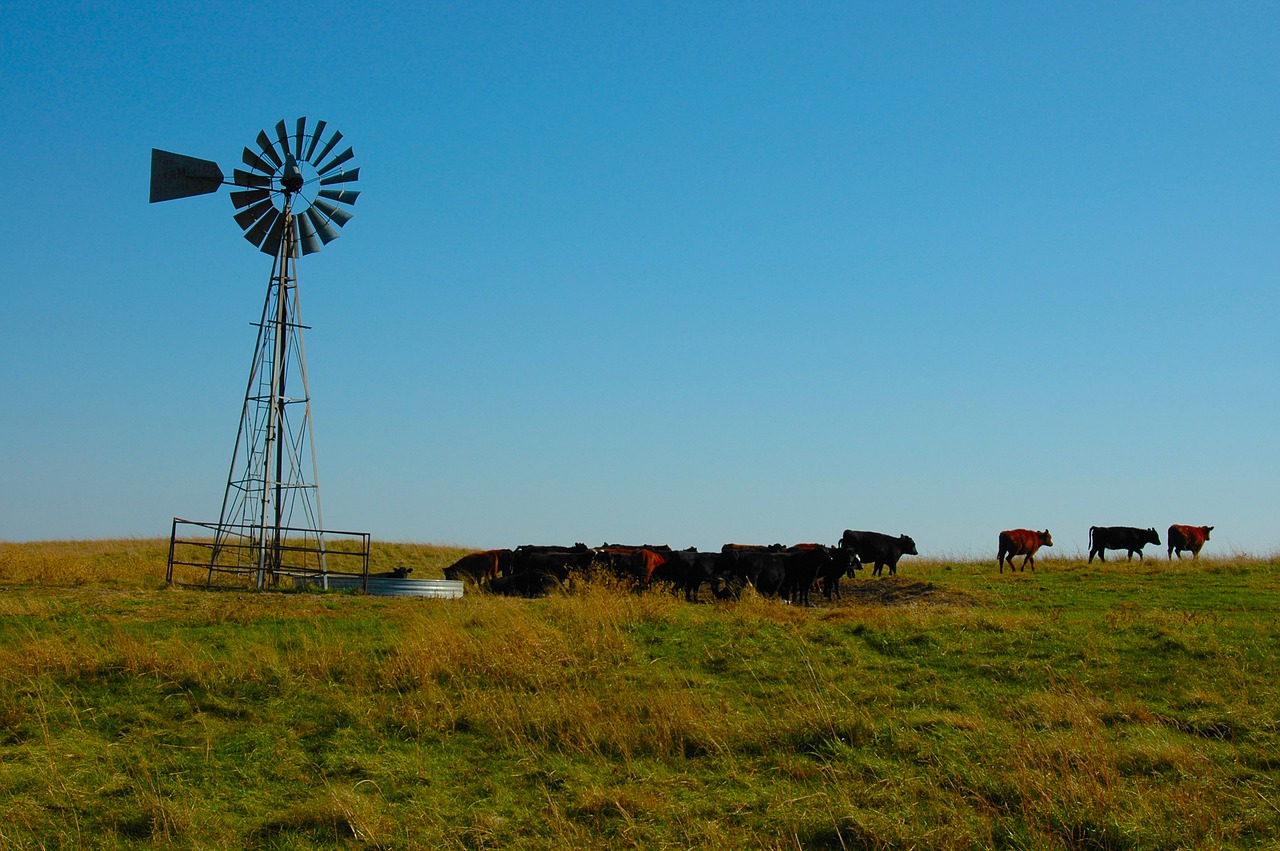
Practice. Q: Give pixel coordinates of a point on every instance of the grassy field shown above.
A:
(1118, 706)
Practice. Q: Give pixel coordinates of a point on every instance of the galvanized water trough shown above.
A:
(386, 586)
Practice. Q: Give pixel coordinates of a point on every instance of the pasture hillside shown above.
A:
(1104, 706)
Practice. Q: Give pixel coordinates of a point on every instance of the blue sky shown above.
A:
(663, 272)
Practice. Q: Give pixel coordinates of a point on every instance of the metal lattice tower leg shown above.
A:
(271, 518)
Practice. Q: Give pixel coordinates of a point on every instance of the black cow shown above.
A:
(523, 555)
(842, 562)
(398, 573)
(801, 567)
(1103, 538)
(536, 570)
(878, 548)
(533, 583)
(689, 569)
(758, 566)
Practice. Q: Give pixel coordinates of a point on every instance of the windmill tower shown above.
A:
(290, 202)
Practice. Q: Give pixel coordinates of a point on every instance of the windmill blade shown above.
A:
(249, 196)
(342, 196)
(246, 218)
(324, 152)
(297, 138)
(282, 133)
(264, 143)
(179, 176)
(257, 163)
(324, 230)
(307, 238)
(315, 139)
(341, 177)
(248, 178)
(335, 214)
(336, 161)
(271, 244)
(258, 232)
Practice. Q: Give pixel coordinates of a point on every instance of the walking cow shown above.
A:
(1102, 538)
(1189, 538)
(1021, 542)
(878, 548)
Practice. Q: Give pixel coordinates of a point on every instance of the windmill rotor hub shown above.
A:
(291, 177)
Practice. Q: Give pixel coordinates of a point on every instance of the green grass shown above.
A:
(1118, 706)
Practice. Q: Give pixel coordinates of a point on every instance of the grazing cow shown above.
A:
(878, 548)
(480, 567)
(1190, 538)
(1022, 542)
(1103, 538)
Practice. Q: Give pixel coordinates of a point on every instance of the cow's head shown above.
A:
(845, 558)
(1206, 530)
(1153, 537)
(1046, 539)
(908, 545)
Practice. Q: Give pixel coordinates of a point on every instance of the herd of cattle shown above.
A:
(790, 573)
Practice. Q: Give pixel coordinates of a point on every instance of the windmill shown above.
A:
(290, 201)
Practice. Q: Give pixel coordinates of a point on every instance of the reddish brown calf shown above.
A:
(1189, 538)
(1021, 542)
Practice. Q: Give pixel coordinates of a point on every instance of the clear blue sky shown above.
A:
(666, 272)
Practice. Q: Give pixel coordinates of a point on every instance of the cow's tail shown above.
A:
(1091, 528)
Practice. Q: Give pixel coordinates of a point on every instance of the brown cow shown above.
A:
(1022, 542)
(1187, 538)
(479, 567)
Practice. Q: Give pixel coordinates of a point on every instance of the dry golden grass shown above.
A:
(58, 563)
(1103, 707)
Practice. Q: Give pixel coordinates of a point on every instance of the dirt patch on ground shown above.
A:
(892, 591)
